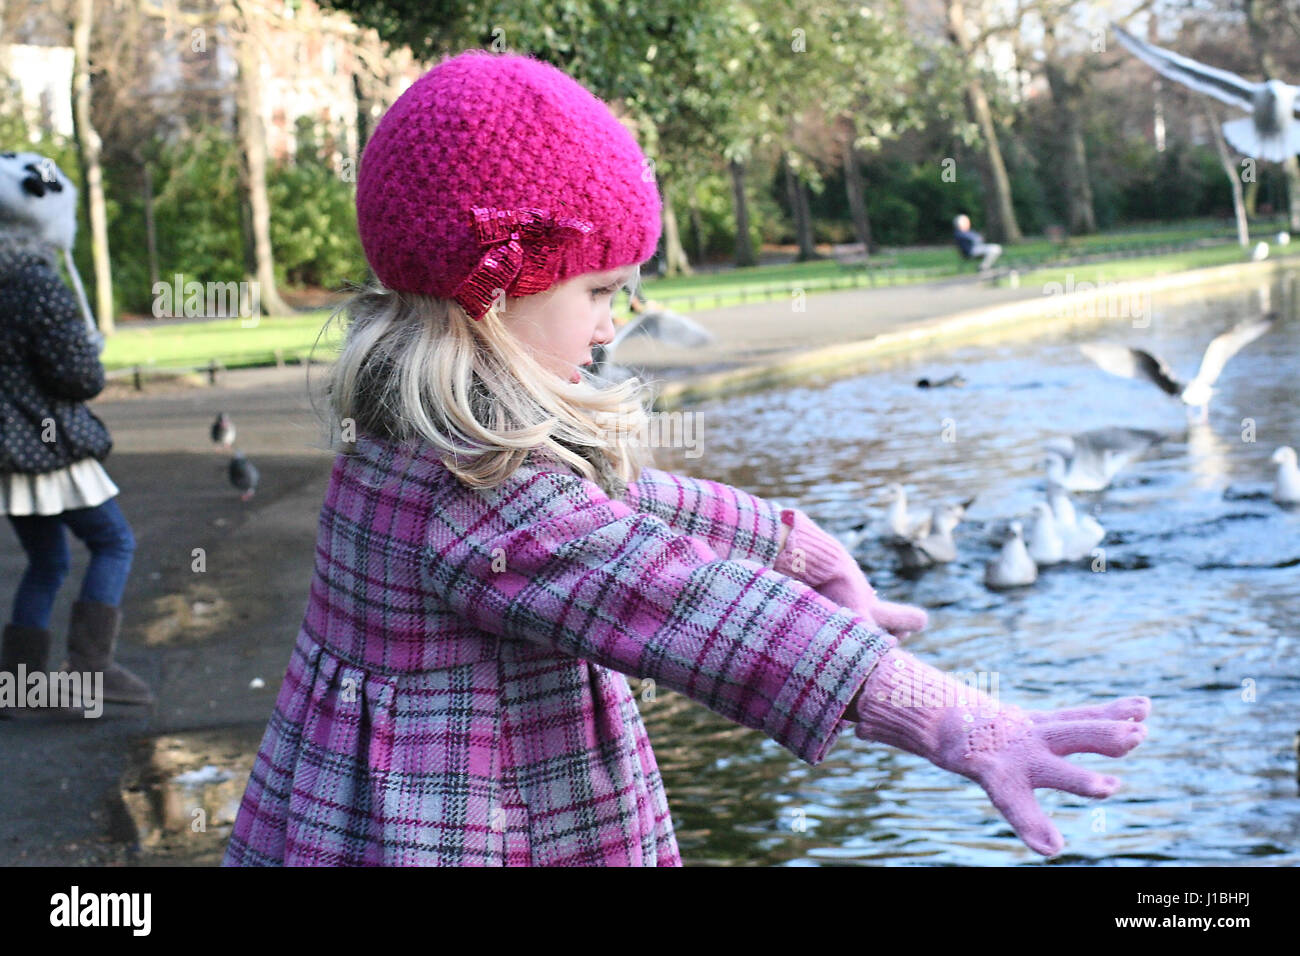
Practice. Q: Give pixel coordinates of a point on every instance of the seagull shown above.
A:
(1269, 133)
(905, 525)
(1089, 461)
(1286, 486)
(243, 475)
(936, 546)
(1013, 568)
(1260, 252)
(1045, 544)
(1078, 535)
(653, 321)
(223, 431)
(1283, 238)
(1138, 363)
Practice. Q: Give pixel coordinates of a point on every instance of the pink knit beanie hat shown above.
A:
(497, 173)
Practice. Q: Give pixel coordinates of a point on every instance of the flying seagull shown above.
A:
(1138, 363)
(1089, 461)
(653, 321)
(1269, 133)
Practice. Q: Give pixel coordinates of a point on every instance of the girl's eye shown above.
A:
(607, 291)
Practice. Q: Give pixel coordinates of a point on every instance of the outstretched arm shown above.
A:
(588, 576)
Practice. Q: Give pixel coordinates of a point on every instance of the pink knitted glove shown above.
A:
(1007, 751)
(816, 558)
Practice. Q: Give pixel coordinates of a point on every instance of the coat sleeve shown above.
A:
(551, 560)
(60, 350)
(732, 522)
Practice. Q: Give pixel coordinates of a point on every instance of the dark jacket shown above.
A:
(48, 368)
(967, 240)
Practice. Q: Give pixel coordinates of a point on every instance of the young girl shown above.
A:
(494, 554)
(51, 444)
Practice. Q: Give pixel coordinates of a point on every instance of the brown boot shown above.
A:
(28, 648)
(92, 637)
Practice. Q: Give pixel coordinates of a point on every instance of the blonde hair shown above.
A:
(416, 367)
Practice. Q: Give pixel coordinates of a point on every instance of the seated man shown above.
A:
(972, 244)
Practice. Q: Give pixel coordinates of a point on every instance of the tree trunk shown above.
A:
(88, 152)
(857, 191)
(797, 193)
(997, 200)
(1066, 96)
(697, 230)
(150, 231)
(675, 261)
(1229, 167)
(744, 245)
(1292, 170)
(999, 211)
(252, 138)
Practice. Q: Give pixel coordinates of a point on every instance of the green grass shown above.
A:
(195, 344)
(191, 344)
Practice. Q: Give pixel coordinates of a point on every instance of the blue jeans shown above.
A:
(102, 529)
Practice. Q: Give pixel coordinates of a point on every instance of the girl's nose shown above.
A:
(604, 333)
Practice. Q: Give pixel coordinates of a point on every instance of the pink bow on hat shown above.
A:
(520, 247)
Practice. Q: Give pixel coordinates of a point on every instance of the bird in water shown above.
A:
(243, 475)
(1078, 535)
(223, 431)
(1286, 484)
(1269, 133)
(902, 523)
(1089, 461)
(1045, 544)
(1141, 364)
(1013, 567)
(936, 545)
(654, 321)
(955, 379)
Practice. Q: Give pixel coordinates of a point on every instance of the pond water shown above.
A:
(1196, 608)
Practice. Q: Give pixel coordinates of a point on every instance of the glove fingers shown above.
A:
(899, 619)
(1063, 775)
(1114, 738)
(1015, 801)
(1126, 708)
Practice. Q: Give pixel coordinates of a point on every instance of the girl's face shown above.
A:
(562, 324)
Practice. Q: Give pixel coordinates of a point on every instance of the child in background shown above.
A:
(495, 553)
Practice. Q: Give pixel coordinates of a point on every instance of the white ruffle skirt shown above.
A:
(83, 484)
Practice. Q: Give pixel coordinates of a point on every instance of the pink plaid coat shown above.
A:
(456, 695)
